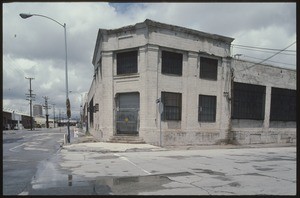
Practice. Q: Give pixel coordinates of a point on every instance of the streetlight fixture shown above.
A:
(25, 16)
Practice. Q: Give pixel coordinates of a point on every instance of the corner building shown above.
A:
(190, 71)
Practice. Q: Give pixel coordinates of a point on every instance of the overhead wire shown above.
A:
(264, 51)
(12, 65)
(267, 58)
(262, 48)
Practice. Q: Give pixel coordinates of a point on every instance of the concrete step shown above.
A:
(126, 139)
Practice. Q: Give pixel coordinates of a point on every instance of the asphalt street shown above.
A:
(34, 165)
(23, 152)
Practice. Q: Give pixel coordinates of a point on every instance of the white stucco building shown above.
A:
(198, 82)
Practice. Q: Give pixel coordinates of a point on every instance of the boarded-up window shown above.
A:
(248, 101)
(207, 108)
(283, 105)
(127, 62)
(208, 68)
(172, 106)
(171, 63)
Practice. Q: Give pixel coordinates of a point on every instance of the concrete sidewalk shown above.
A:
(106, 147)
(87, 143)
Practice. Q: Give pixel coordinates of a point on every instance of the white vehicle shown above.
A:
(18, 127)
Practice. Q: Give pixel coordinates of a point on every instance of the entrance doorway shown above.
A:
(127, 113)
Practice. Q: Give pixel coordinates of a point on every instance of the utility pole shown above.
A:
(46, 108)
(53, 115)
(30, 97)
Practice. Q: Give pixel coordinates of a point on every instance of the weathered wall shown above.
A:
(264, 131)
(149, 82)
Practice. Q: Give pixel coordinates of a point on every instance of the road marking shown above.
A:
(126, 159)
(12, 149)
(23, 193)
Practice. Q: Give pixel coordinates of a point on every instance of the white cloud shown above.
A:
(35, 47)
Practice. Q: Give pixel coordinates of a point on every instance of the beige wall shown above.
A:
(149, 82)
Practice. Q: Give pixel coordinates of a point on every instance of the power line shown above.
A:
(46, 108)
(13, 67)
(30, 97)
(267, 58)
(263, 48)
(265, 51)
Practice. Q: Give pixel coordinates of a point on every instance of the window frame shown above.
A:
(208, 115)
(168, 61)
(133, 69)
(203, 69)
(285, 101)
(243, 106)
(167, 114)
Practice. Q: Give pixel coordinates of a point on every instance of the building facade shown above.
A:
(169, 85)
(15, 120)
(37, 110)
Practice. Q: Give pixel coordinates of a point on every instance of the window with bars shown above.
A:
(127, 62)
(171, 63)
(283, 104)
(208, 68)
(172, 106)
(207, 108)
(248, 101)
(91, 111)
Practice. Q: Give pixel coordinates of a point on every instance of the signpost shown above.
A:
(160, 110)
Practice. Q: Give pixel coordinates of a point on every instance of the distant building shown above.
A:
(208, 97)
(15, 120)
(37, 110)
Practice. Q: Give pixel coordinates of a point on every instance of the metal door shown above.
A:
(127, 113)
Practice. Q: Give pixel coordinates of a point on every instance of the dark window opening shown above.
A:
(127, 62)
(207, 108)
(172, 106)
(248, 101)
(208, 68)
(171, 63)
(91, 111)
(283, 105)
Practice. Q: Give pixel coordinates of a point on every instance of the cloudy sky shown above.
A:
(34, 47)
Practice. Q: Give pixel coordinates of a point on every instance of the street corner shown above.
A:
(106, 147)
(85, 147)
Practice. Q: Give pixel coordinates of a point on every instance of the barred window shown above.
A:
(283, 105)
(172, 106)
(207, 108)
(208, 68)
(248, 101)
(171, 63)
(91, 108)
(127, 62)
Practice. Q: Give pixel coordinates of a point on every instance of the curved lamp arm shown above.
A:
(25, 16)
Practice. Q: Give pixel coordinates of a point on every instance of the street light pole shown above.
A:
(25, 16)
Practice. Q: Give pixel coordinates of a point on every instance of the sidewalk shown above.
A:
(87, 143)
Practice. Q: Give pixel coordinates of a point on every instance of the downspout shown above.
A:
(231, 134)
(113, 95)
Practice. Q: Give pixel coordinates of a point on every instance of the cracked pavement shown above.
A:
(250, 171)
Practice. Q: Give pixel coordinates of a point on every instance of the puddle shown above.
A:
(11, 140)
(180, 174)
(106, 157)
(136, 185)
(262, 168)
(184, 157)
(51, 180)
(208, 171)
